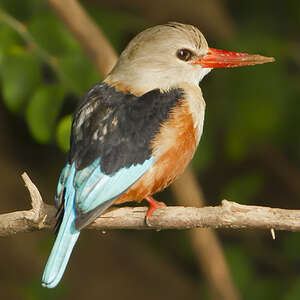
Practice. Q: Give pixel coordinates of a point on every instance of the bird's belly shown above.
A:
(175, 146)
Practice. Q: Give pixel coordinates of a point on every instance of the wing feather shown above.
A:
(110, 145)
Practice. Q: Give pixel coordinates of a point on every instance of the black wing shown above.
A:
(118, 127)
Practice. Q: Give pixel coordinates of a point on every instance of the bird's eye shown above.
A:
(184, 54)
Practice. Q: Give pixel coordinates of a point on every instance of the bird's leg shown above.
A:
(153, 205)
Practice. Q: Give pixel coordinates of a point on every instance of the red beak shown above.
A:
(227, 59)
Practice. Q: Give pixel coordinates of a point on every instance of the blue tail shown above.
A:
(65, 240)
(94, 191)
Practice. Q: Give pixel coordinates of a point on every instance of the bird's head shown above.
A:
(167, 55)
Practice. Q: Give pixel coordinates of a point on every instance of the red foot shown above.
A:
(153, 206)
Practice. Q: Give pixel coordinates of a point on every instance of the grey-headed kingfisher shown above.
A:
(136, 131)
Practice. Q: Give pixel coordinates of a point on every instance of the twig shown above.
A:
(273, 233)
(28, 220)
(22, 30)
(228, 215)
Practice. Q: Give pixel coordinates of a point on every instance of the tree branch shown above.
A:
(227, 215)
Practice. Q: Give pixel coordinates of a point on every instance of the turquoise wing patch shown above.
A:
(98, 188)
(96, 191)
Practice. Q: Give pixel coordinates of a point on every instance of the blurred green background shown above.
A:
(249, 152)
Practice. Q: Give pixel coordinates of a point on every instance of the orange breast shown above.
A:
(174, 145)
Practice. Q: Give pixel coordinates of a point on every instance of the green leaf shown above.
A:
(63, 132)
(21, 73)
(9, 42)
(42, 111)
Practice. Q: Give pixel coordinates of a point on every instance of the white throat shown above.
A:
(143, 82)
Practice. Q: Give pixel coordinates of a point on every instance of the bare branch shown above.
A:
(228, 215)
(41, 215)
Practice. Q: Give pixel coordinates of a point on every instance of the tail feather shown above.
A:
(61, 252)
(65, 240)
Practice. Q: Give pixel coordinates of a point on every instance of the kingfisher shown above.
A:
(135, 132)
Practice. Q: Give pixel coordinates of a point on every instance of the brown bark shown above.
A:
(227, 215)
